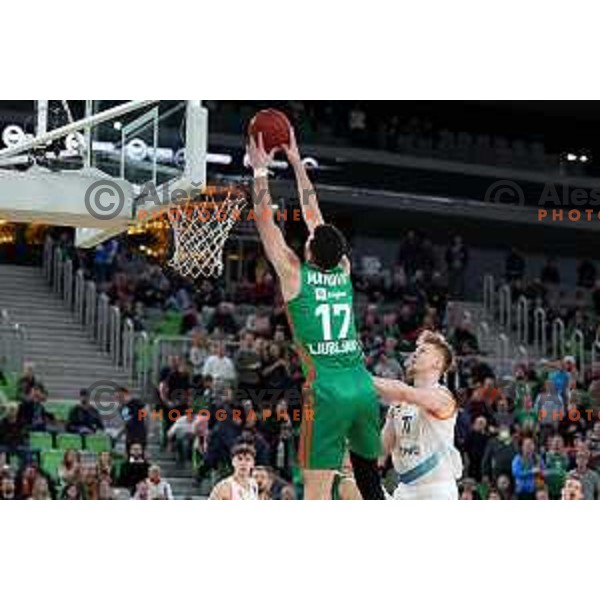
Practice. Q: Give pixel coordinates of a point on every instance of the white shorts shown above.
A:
(444, 490)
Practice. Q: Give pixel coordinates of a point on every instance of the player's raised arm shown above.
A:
(311, 213)
(309, 202)
(436, 400)
(283, 259)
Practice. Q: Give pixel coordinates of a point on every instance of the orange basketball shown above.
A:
(274, 126)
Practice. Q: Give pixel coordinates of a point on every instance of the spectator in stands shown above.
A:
(26, 381)
(248, 363)
(222, 322)
(12, 436)
(7, 488)
(504, 487)
(590, 480)
(105, 491)
(548, 406)
(526, 417)
(457, 258)
(498, 456)
(275, 374)
(70, 469)
(133, 413)
(562, 375)
(181, 434)
(594, 447)
(197, 356)
(514, 266)
(586, 273)
(408, 254)
(464, 341)
(550, 274)
(573, 489)
(556, 465)
(89, 481)
(135, 468)
(572, 426)
(40, 489)
(142, 490)
(158, 489)
(83, 417)
(502, 416)
(173, 388)
(105, 468)
(527, 470)
(219, 365)
(72, 491)
(221, 440)
(264, 482)
(475, 446)
(32, 415)
(387, 366)
(288, 493)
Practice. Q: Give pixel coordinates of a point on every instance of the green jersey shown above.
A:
(338, 392)
(322, 318)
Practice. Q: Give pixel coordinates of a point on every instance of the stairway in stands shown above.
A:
(65, 358)
(490, 342)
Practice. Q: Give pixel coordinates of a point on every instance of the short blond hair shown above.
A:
(439, 341)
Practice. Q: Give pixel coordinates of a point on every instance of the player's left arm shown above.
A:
(309, 201)
(438, 401)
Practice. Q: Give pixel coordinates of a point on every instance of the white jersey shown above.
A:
(424, 456)
(239, 492)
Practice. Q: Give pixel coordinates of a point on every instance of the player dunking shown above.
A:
(318, 294)
(419, 429)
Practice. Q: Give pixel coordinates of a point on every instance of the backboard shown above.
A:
(92, 164)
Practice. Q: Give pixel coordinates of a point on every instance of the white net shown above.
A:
(200, 231)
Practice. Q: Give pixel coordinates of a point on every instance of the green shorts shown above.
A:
(341, 412)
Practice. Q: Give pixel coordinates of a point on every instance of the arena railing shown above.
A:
(505, 307)
(483, 335)
(540, 324)
(522, 320)
(489, 290)
(558, 338)
(578, 347)
(595, 352)
(93, 311)
(13, 339)
(503, 354)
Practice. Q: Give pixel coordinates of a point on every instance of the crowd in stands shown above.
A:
(389, 128)
(578, 308)
(241, 381)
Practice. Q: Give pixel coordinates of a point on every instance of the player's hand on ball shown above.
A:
(257, 156)
(291, 150)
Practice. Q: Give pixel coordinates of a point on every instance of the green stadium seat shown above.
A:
(50, 461)
(69, 441)
(98, 442)
(40, 440)
(60, 409)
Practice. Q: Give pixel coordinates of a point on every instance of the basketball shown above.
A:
(274, 126)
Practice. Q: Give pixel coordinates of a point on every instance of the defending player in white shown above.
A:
(419, 429)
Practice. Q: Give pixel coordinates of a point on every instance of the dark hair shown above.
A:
(240, 449)
(327, 247)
